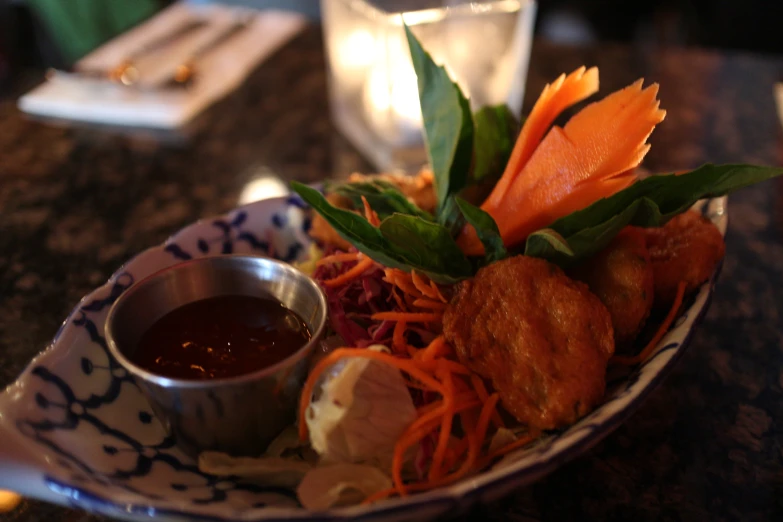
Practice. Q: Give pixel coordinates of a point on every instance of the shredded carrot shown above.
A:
(432, 305)
(445, 428)
(434, 286)
(398, 338)
(379, 495)
(511, 446)
(402, 280)
(484, 416)
(455, 452)
(436, 348)
(667, 322)
(339, 258)
(409, 300)
(400, 303)
(481, 391)
(360, 268)
(406, 365)
(422, 286)
(459, 398)
(412, 317)
(447, 365)
(370, 214)
(415, 432)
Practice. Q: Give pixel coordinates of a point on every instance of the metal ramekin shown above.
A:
(237, 415)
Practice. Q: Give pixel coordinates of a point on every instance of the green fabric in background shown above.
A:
(76, 27)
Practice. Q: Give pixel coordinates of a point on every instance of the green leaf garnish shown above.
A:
(448, 124)
(427, 245)
(404, 242)
(486, 229)
(546, 240)
(384, 198)
(650, 202)
(496, 130)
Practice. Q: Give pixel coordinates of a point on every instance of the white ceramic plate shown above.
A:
(75, 430)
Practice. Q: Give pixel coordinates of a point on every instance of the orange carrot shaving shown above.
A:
(485, 415)
(400, 303)
(445, 429)
(432, 305)
(402, 280)
(370, 214)
(411, 317)
(437, 348)
(422, 286)
(481, 391)
(455, 452)
(379, 495)
(662, 329)
(511, 446)
(459, 398)
(434, 286)
(339, 258)
(419, 429)
(360, 268)
(406, 365)
(398, 338)
(446, 365)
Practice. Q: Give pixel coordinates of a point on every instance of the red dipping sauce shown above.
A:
(220, 337)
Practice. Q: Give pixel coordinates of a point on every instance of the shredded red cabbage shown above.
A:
(352, 304)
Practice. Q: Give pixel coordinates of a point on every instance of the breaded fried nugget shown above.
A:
(687, 248)
(542, 339)
(621, 275)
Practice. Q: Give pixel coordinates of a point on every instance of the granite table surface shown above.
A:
(75, 203)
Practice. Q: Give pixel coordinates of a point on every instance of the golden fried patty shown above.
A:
(687, 248)
(621, 275)
(542, 339)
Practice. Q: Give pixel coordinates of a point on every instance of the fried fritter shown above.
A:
(323, 232)
(419, 189)
(621, 275)
(542, 339)
(687, 248)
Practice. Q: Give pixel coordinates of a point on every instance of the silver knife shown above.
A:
(126, 72)
(184, 74)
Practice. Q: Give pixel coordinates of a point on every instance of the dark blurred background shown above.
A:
(40, 33)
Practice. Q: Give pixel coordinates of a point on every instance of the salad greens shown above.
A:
(384, 198)
(468, 153)
(402, 241)
(647, 203)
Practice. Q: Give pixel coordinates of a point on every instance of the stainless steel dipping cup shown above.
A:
(237, 415)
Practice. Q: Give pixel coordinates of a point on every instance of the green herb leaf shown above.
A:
(547, 241)
(384, 198)
(448, 124)
(496, 132)
(421, 246)
(650, 202)
(486, 229)
(426, 244)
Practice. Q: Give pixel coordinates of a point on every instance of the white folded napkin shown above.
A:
(219, 71)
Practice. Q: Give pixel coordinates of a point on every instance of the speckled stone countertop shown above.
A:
(707, 445)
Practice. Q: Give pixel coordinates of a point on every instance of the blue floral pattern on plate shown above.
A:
(84, 435)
